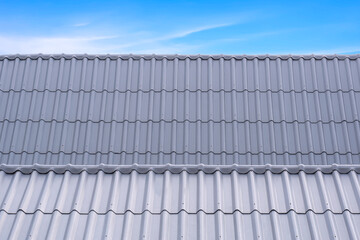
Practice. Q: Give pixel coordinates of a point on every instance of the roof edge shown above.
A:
(175, 56)
(192, 169)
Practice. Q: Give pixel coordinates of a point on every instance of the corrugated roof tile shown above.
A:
(180, 74)
(179, 226)
(174, 106)
(135, 192)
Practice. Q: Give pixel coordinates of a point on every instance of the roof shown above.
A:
(163, 147)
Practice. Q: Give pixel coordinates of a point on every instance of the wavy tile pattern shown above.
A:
(179, 226)
(179, 138)
(176, 159)
(192, 142)
(173, 193)
(180, 106)
(179, 109)
(180, 73)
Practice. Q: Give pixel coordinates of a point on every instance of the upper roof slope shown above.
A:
(179, 109)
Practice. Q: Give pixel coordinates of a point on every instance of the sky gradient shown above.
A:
(180, 27)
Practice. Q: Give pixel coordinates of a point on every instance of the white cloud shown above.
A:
(99, 44)
(11, 45)
(91, 45)
(252, 36)
(81, 24)
(150, 44)
(126, 42)
(187, 32)
(161, 48)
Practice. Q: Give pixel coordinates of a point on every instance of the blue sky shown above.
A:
(180, 27)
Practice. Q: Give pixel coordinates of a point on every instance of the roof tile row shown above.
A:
(87, 74)
(180, 106)
(172, 193)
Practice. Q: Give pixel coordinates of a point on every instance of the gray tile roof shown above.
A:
(179, 109)
(179, 147)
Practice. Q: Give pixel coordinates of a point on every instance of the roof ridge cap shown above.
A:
(192, 169)
(175, 56)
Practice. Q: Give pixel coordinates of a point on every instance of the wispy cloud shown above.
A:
(81, 24)
(162, 49)
(149, 42)
(190, 31)
(52, 44)
(162, 41)
(257, 35)
(252, 36)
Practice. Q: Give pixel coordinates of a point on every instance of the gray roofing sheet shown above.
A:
(179, 109)
(179, 226)
(234, 205)
(175, 192)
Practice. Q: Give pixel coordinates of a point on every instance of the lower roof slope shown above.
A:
(77, 203)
